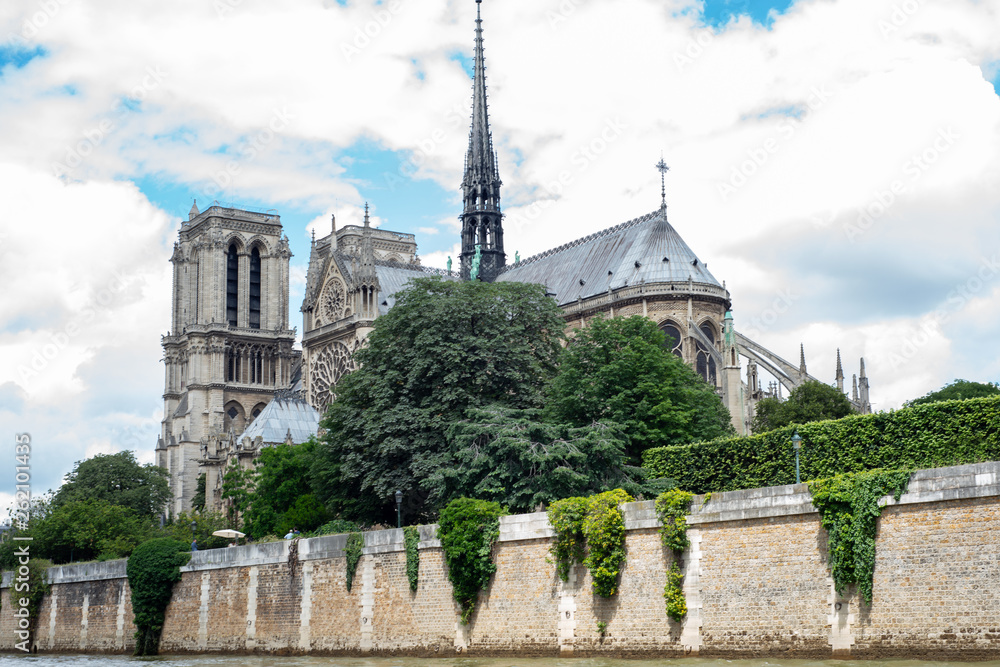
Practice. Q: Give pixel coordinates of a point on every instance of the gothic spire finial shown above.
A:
(366, 214)
(802, 360)
(482, 221)
(662, 166)
(840, 372)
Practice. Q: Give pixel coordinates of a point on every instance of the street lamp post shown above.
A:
(194, 528)
(797, 444)
(399, 509)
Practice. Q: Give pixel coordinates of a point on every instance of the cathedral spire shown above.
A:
(840, 373)
(482, 221)
(366, 271)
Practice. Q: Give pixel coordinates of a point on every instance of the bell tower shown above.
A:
(482, 221)
(230, 346)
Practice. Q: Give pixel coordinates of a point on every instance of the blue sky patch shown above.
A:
(718, 13)
(19, 56)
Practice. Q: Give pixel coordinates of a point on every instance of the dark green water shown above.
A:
(264, 661)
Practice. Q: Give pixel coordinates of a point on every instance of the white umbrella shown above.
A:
(229, 533)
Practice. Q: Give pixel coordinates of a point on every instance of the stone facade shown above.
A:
(230, 347)
(757, 584)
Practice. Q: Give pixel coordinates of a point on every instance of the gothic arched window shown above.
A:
(255, 288)
(232, 285)
(705, 364)
(674, 341)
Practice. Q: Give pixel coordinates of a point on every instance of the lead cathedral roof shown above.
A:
(643, 250)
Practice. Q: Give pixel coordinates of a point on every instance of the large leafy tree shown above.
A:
(514, 458)
(280, 498)
(443, 348)
(809, 402)
(619, 370)
(81, 530)
(118, 479)
(957, 390)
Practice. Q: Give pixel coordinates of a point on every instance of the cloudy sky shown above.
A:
(836, 162)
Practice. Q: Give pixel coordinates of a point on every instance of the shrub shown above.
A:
(926, 436)
(591, 530)
(355, 545)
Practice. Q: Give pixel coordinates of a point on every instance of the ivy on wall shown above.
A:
(153, 569)
(925, 436)
(352, 551)
(591, 530)
(848, 505)
(672, 508)
(468, 529)
(411, 538)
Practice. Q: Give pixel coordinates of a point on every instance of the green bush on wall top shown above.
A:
(926, 436)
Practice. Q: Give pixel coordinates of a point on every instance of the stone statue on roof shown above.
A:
(474, 272)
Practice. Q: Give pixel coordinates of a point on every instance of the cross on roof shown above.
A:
(663, 168)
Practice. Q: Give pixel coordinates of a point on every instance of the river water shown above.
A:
(268, 661)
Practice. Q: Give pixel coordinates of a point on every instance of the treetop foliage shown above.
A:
(619, 370)
(957, 391)
(809, 402)
(444, 347)
(119, 480)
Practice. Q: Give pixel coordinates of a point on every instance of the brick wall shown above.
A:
(756, 580)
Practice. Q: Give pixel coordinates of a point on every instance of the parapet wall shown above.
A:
(757, 584)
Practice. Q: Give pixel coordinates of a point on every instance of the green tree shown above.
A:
(82, 530)
(443, 348)
(959, 390)
(198, 501)
(809, 402)
(205, 523)
(514, 458)
(618, 370)
(237, 488)
(119, 480)
(278, 494)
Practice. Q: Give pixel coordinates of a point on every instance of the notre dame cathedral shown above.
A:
(235, 384)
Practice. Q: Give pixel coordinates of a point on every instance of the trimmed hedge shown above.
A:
(925, 436)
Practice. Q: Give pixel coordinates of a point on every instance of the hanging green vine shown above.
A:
(592, 531)
(566, 518)
(848, 505)
(153, 569)
(468, 529)
(604, 529)
(673, 593)
(352, 551)
(411, 538)
(672, 508)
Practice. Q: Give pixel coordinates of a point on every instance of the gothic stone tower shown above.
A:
(229, 347)
(482, 221)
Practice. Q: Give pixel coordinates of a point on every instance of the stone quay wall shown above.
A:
(757, 584)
